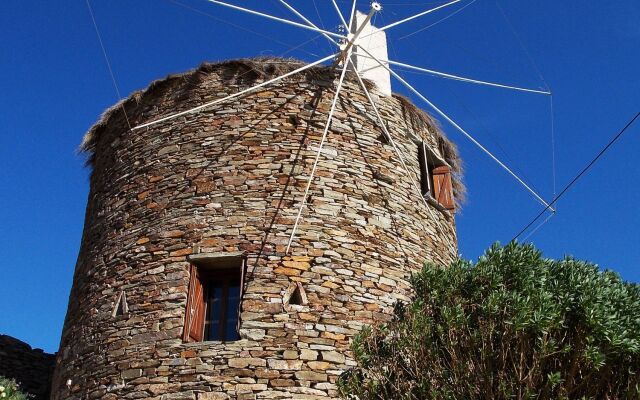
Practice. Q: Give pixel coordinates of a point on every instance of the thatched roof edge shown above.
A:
(263, 67)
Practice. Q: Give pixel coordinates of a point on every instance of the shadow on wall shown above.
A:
(31, 368)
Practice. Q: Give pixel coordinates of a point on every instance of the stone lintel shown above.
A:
(218, 260)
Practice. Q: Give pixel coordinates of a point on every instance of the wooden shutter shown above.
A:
(442, 187)
(194, 318)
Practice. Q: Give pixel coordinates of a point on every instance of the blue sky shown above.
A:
(55, 84)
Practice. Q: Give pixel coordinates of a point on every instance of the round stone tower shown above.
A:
(211, 199)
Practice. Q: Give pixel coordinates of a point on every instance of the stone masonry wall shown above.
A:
(231, 179)
(31, 368)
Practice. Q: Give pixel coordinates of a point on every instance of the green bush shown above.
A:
(513, 326)
(9, 390)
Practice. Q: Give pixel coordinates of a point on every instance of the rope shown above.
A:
(539, 226)
(305, 19)
(322, 25)
(412, 177)
(524, 48)
(460, 129)
(553, 144)
(402, 21)
(315, 163)
(270, 38)
(393, 48)
(106, 58)
(463, 79)
(344, 22)
(438, 21)
(544, 81)
(274, 18)
(580, 174)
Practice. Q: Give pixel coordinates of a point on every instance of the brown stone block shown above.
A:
(211, 242)
(308, 316)
(266, 373)
(371, 306)
(285, 364)
(330, 284)
(332, 356)
(282, 383)
(188, 354)
(158, 389)
(258, 306)
(287, 271)
(311, 376)
(300, 258)
(333, 336)
(193, 172)
(297, 265)
(182, 252)
(290, 355)
(131, 373)
(319, 365)
(203, 187)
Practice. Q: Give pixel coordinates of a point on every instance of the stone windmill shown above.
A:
(246, 219)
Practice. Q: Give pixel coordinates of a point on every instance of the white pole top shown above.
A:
(374, 41)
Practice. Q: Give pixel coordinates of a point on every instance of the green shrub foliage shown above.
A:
(9, 390)
(512, 326)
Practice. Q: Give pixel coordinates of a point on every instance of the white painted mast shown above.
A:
(373, 41)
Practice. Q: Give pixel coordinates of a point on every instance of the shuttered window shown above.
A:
(215, 294)
(442, 187)
(435, 178)
(223, 302)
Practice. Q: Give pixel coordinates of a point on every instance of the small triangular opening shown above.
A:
(382, 138)
(121, 307)
(296, 297)
(120, 310)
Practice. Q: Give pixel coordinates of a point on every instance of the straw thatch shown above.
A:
(248, 70)
(449, 151)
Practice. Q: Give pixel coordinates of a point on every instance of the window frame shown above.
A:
(429, 162)
(204, 269)
(226, 276)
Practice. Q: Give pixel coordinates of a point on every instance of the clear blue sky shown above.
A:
(55, 84)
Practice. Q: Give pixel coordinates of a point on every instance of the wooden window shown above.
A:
(215, 293)
(194, 320)
(443, 187)
(435, 178)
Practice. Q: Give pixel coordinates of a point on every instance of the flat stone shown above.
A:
(131, 373)
(311, 376)
(179, 396)
(290, 355)
(285, 364)
(213, 396)
(306, 354)
(333, 356)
